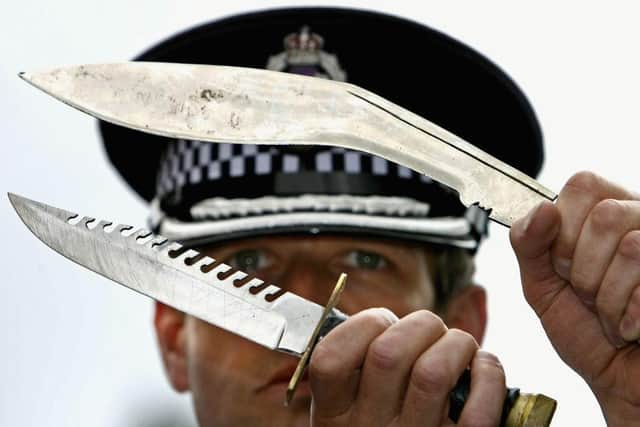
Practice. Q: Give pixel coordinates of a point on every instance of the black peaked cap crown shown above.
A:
(408, 63)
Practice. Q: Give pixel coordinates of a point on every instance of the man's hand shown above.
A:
(378, 370)
(580, 270)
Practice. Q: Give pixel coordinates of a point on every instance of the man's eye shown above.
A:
(365, 260)
(249, 260)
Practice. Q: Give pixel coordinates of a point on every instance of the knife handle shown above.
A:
(518, 410)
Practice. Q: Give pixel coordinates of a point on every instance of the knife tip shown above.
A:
(13, 198)
(17, 202)
(27, 77)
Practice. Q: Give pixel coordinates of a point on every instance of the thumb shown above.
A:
(552, 297)
(531, 239)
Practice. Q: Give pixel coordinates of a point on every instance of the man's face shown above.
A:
(236, 382)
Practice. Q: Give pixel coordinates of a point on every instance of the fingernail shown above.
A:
(589, 303)
(563, 268)
(619, 342)
(613, 337)
(529, 218)
(629, 328)
(585, 298)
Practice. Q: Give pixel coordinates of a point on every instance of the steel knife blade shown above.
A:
(243, 105)
(182, 278)
(214, 292)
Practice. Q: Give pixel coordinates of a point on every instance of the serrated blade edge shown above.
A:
(183, 279)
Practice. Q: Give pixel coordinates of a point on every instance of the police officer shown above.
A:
(299, 217)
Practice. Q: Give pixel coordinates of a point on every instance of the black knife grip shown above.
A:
(458, 396)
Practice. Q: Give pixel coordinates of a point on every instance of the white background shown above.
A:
(76, 350)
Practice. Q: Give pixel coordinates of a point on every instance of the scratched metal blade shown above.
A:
(240, 105)
(147, 264)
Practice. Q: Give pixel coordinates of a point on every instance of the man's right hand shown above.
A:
(378, 370)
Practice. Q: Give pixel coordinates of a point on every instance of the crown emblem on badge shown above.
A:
(303, 41)
(304, 55)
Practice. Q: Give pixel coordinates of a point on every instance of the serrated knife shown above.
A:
(214, 292)
(243, 105)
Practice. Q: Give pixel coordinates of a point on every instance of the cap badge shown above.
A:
(304, 55)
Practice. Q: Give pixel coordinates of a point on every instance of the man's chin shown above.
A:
(276, 392)
(262, 413)
(299, 409)
(294, 415)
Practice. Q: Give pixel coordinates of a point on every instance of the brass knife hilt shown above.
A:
(518, 409)
(304, 360)
(531, 410)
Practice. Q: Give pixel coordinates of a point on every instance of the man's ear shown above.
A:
(170, 331)
(467, 310)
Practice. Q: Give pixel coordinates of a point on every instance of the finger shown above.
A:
(388, 365)
(487, 392)
(619, 282)
(337, 359)
(531, 239)
(433, 376)
(573, 329)
(598, 242)
(630, 325)
(579, 195)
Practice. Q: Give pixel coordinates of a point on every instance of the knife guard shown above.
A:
(320, 327)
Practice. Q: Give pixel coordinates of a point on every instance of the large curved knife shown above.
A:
(242, 105)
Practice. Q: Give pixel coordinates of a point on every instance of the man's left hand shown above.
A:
(580, 269)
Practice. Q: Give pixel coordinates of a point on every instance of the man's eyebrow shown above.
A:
(230, 247)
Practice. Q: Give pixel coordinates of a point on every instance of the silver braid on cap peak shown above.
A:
(219, 207)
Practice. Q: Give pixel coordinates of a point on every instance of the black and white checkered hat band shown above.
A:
(208, 192)
(194, 162)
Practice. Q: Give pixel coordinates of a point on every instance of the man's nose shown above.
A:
(309, 279)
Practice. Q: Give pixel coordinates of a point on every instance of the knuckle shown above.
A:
(428, 320)
(490, 360)
(633, 307)
(490, 368)
(629, 328)
(463, 336)
(431, 377)
(582, 282)
(605, 303)
(630, 245)
(380, 318)
(325, 362)
(583, 181)
(385, 353)
(607, 214)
